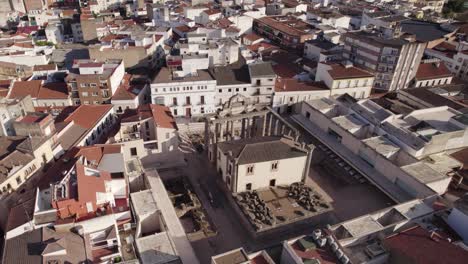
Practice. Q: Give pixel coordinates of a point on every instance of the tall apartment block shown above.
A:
(394, 61)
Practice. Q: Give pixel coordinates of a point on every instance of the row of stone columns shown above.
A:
(272, 127)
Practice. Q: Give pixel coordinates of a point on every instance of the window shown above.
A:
(274, 165)
(248, 186)
(175, 112)
(237, 89)
(133, 152)
(202, 99)
(174, 100)
(95, 93)
(84, 93)
(245, 89)
(250, 169)
(167, 135)
(272, 183)
(18, 180)
(307, 115)
(93, 85)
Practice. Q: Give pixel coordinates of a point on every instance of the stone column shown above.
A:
(232, 130)
(270, 126)
(242, 134)
(221, 134)
(277, 127)
(264, 125)
(247, 131)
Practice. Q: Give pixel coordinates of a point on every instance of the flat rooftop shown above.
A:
(382, 146)
(323, 104)
(362, 226)
(236, 256)
(156, 249)
(143, 202)
(349, 122)
(166, 76)
(423, 173)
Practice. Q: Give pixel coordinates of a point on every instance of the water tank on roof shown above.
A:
(321, 242)
(316, 234)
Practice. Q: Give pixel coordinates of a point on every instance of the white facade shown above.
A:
(185, 98)
(357, 87)
(20, 173)
(54, 33)
(241, 177)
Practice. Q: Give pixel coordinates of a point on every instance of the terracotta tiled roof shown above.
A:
(45, 67)
(22, 89)
(56, 90)
(290, 85)
(87, 116)
(338, 71)
(126, 90)
(212, 11)
(422, 247)
(163, 117)
(24, 45)
(4, 87)
(428, 71)
(252, 37)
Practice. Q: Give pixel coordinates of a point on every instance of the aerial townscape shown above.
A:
(234, 131)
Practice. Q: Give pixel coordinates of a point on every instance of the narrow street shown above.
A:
(231, 233)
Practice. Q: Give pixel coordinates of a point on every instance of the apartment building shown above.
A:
(186, 95)
(432, 73)
(84, 125)
(394, 61)
(254, 82)
(257, 163)
(131, 93)
(454, 55)
(10, 110)
(331, 79)
(135, 45)
(343, 78)
(148, 129)
(21, 157)
(94, 82)
(286, 31)
(329, 17)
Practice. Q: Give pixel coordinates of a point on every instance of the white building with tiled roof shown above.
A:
(256, 163)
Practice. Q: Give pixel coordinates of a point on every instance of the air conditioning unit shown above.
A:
(127, 226)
